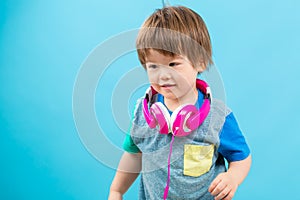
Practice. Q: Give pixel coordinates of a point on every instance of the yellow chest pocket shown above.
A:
(197, 159)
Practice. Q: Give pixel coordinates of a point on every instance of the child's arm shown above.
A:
(225, 184)
(128, 171)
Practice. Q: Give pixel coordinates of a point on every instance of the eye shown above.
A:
(173, 64)
(151, 66)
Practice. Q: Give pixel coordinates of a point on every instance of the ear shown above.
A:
(200, 67)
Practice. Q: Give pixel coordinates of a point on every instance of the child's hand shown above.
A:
(223, 187)
(115, 196)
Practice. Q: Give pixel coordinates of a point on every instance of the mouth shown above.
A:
(167, 86)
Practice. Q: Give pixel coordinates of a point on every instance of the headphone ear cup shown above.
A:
(179, 120)
(162, 116)
(196, 120)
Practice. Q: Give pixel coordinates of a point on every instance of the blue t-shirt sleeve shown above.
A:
(233, 145)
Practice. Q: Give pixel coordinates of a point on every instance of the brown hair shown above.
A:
(175, 31)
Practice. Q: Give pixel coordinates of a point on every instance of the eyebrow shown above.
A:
(151, 63)
(171, 60)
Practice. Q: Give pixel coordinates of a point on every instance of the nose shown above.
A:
(165, 73)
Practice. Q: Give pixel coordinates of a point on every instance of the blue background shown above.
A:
(43, 44)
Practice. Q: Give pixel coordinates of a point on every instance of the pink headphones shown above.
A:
(183, 120)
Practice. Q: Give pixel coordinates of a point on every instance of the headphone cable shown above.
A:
(169, 168)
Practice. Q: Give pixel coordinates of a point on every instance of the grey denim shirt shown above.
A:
(195, 160)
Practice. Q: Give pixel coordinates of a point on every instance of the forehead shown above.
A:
(158, 57)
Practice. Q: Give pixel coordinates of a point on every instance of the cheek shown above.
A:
(187, 77)
(152, 77)
(192, 75)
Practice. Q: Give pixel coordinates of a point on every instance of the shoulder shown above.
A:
(138, 116)
(219, 107)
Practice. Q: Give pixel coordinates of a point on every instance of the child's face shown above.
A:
(173, 77)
